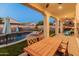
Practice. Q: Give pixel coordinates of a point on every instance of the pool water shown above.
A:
(22, 36)
(17, 38)
(66, 33)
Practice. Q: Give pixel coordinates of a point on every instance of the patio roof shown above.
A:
(56, 9)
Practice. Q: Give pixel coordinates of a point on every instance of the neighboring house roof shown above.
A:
(29, 24)
(13, 20)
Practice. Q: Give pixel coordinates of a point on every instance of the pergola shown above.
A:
(57, 10)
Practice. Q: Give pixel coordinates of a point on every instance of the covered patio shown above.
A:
(65, 45)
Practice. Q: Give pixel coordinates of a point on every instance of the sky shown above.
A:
(20, 13)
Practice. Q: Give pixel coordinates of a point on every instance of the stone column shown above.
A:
(46, 26)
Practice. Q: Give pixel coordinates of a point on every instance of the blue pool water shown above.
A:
(21, 36)
(67, 32)
(17, 38)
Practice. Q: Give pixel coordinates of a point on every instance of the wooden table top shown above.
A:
(45, 47)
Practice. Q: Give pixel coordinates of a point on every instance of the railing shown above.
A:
(33, 39)
(8, 38)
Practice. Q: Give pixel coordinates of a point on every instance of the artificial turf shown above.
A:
(13, 50)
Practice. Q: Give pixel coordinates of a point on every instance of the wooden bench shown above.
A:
(45, 47)
(73, 49)
(63, 49)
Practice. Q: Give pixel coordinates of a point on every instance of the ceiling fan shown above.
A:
(59, 3)
(47, 5)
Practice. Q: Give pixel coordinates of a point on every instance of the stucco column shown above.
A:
(76, 19)
(61, 27)
(75, 27)
(57, 26)
(46, 26)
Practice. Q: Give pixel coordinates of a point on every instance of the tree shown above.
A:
(41, 23)
(0, 20)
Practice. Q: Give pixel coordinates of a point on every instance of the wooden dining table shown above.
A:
(45, 47)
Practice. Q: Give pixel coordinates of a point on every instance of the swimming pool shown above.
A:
(21, 36)
(9, 38)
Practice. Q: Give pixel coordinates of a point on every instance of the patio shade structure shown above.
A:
(58, 11)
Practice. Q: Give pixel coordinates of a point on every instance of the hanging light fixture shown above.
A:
(60, 6)
(45, 5)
